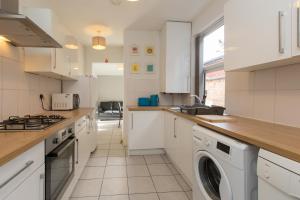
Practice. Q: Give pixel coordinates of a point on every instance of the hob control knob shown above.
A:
(55, 141)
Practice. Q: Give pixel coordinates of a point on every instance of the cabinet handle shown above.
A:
(27, 164)
(131, 121)
(298, 27)
(188, 83)
(77, 159)
(281, 35)
(175, 136)
(42, 185)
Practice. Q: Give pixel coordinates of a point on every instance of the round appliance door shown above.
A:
(211, 178)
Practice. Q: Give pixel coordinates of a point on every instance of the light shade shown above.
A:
(99, 43)
(71, 43)
(3, 38)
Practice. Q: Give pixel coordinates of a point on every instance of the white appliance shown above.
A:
(278, 177)
(65, 101)
(225, 169)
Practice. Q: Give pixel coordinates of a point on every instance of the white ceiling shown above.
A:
(107, 69)
(82, 16)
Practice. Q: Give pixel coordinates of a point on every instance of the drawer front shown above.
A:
(80, 124)
(17, 170)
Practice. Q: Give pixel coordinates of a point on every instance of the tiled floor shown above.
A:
(111, 175)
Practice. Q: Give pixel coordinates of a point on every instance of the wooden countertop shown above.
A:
(13, 144)
(279, 139)
(147, 108)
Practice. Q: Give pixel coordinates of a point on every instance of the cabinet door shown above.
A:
(146, 130)
(170, 132)
(177, 61)
(32, 188)
(256, 32)
(82, 149)
(184, 147)
(296, 28)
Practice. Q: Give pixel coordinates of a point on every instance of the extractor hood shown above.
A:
(20, 30)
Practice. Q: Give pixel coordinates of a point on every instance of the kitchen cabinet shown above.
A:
(176, 57)
(146, 130)
(60, 63)
(257, 33)
(24, 176)
(32, 188)
(178, 144)
(296, 28)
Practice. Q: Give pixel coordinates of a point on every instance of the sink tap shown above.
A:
(197, 97)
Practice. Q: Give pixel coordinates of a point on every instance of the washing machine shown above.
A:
(224, 168)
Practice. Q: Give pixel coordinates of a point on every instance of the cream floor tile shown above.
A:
(189, 195)
(115, 172)
(116, 146)
(140, 185)
(100, 153)
(117, 153)
(115, 197)
(151, 196)
(159, 170)
(166, 158)
(182, 183)
(84, 198)
(114, 186)
(116, 161)
(166, 184)
(100, 141)
(135, 160)
(137, 170)
(115, 141)
(173, 196)
(92, 173)
(97, 162)
(154, 159)
(173, 169)
(103, 146)
(87, 188)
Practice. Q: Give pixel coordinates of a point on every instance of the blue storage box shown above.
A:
(144, 101)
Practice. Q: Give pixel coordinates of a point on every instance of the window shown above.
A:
(209, 64)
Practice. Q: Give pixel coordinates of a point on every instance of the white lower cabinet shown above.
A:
(146, 130)
(33, 188)
(179, 142)
(24, 176)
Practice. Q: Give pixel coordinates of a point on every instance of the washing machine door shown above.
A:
(211, 178)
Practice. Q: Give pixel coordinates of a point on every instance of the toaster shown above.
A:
(65, 101)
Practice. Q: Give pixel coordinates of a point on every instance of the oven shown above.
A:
(60, 162)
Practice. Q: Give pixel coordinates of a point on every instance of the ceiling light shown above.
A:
(3, 38)
(71, 43)
(75, 68)
(116, 2)
(99, 43)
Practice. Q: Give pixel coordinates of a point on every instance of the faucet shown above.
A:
(197, 97)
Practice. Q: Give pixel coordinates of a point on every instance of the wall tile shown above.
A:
(264, 80)
(288, 78)
(287, 107)
(1, 96)
(239, 103)
(34, 82)
(35, 105)
(1, 76)
(9, 103)
(24, 103)
(239, 81)
(11, 73)
(264, 105)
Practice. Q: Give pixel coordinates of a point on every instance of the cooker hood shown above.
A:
(20, 30)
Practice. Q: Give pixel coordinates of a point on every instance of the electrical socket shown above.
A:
(41, 96)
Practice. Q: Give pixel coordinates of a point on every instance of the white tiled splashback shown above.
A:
(271, 95)
(19, 91)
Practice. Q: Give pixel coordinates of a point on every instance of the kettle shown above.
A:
(154, 100)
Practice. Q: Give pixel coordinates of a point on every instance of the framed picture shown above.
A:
(150, 68)
(134, 50)
(149, 50)
(135, 68)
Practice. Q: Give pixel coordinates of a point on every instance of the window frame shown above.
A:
(201, 71)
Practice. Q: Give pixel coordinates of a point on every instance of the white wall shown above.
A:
(114, 54)
(110, 88)
(19, 91)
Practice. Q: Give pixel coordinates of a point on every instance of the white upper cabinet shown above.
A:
(61, 63)
(176, 57)
(257, 33)
(296, 28)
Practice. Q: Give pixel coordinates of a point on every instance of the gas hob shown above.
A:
(30, 122)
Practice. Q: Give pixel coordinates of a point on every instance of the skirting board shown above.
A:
(141, 152)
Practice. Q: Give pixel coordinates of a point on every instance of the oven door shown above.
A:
(59, 168)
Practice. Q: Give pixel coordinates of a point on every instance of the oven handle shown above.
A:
(60, 151)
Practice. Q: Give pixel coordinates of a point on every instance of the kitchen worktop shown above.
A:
(13, 144)
(279, 139)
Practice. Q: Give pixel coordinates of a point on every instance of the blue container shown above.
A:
(144, 101)
(154, 100)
